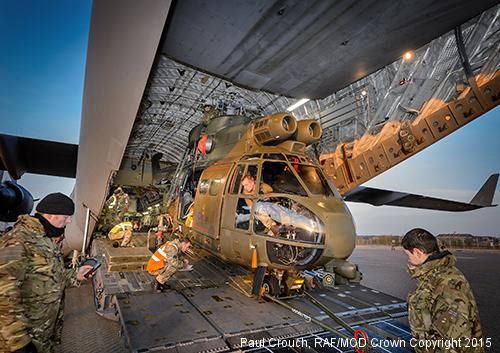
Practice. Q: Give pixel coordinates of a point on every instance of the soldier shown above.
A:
(167, 260)
(146, 220)
(248, 182)
(443, 306)
(122, 231)
(33, 278)
(209, 112)
(114, 209)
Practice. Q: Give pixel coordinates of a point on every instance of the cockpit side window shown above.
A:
(249, 180)
(246, 182)
(280, 178)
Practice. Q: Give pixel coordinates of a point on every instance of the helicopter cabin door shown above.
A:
(208, 204)
(236, 215)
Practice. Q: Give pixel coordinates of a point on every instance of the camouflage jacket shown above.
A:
(32, 283)
(443, 306)
(166, 260)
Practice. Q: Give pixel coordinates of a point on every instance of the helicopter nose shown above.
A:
(340, 235)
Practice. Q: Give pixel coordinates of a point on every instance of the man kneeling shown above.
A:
(167, 260)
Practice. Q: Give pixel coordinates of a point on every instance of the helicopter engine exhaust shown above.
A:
(308, 131)
(274, 128)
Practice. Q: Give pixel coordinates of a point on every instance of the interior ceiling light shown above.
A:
(297, 104)
(363, 93)
(408, 56)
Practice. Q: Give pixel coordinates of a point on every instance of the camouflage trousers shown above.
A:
(163, 274)
(125, 235)
(45, 337)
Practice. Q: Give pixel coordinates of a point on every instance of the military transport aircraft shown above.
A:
(359, 108)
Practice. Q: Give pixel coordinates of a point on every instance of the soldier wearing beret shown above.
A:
(443, 306)
(33, 278)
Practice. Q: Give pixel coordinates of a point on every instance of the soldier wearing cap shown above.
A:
(33, 278)
(443, 306)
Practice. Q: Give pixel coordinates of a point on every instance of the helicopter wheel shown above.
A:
(271, 286)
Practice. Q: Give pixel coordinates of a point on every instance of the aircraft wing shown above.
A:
(19, 155)
(381, 197)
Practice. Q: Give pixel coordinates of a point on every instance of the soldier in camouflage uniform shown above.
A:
(33, 278)
(209, 112)
(443, 306)
(114, 209)
(167, 260)
(122, 231)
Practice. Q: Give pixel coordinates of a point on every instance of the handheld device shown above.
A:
(95, 265)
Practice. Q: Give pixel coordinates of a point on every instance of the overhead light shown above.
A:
(297, 104)
(157, 205)
(408, 56)
(150, 208)
(364, 93)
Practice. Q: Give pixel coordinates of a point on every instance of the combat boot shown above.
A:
(158, 287)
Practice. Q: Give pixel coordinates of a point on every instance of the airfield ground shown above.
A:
(385, 270)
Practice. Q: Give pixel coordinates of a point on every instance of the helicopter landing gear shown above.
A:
(271, 286)
(293, 283)
(276, 283)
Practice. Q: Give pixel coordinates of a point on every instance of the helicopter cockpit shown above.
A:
(276, 205)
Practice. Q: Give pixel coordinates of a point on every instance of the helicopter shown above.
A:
(255, 197)
(254, 193)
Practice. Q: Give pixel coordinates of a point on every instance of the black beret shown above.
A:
(56, 203)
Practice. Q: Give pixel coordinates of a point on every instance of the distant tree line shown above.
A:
(447, 241)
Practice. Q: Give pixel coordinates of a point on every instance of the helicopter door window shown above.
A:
(236, 182)
(279, 177)
(242, 219)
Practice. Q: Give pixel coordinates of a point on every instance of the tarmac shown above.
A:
(385, 270)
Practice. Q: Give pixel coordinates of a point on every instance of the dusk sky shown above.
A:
(42, 69)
